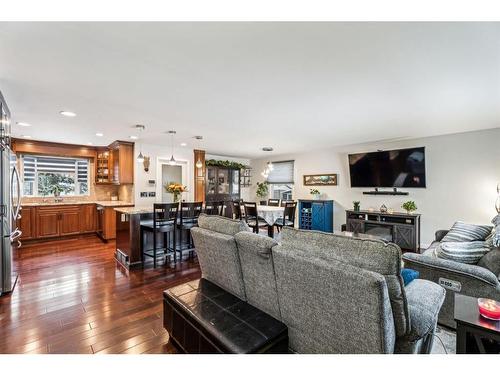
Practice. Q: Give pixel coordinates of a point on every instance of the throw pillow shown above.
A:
(409, 275)
(496, 231)
(463, 252)
(463, 232)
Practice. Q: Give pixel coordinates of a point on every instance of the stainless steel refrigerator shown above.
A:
(10, 206)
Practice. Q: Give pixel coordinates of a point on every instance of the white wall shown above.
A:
(462, 173)
(158, 153)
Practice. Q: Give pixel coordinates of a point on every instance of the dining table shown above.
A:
(270, 214)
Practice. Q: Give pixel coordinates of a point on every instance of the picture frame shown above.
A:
(326, 179)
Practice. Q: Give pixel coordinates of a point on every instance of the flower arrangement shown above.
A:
(176, 189)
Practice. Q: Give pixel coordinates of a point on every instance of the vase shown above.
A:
(176, 197)
(317, 196)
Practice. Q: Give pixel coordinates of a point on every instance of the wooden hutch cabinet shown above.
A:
(222, 184)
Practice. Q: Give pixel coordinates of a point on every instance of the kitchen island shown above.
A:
(128, 235)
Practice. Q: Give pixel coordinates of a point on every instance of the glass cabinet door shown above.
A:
(211, 180)
(235, 182)
(223, 181)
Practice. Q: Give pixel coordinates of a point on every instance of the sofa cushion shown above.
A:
(491, 261)
(222, 224)
(463, 252)
(373, 255)
(219, 260)
(258, 271)
(464, 232)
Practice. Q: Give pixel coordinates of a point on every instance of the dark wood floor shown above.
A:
(72, 298)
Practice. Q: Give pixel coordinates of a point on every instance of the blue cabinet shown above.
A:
(316, 215)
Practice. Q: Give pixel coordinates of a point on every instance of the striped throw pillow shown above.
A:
(463, 232)
(496, 231)
(463, 252)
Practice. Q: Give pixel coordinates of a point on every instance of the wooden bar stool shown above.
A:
(188, 218)
(164, 218)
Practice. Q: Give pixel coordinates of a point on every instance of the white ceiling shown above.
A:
(292, 86)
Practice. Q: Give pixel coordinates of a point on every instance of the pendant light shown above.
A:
(172, 159)
(199, 164)
(140, 157)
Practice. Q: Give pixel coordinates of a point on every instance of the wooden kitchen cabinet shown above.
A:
(27, 223)
(122, 159)
(47, 222)
(57, 221)
(69, 221)
(88, 219)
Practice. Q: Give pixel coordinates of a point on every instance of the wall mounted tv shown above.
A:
(396, 168)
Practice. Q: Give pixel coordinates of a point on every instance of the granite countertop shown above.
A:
(135, 210)
(68, 203)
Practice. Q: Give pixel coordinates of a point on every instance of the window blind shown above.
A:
(45, 164)
(282, 173)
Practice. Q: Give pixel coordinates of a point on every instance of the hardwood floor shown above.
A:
(72, 298)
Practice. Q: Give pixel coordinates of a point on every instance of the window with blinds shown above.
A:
(47, 175)
(281, 180)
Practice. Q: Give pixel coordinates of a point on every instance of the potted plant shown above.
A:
(315, 193)
(262, 189)
(176, 189)
(356, 205)
(56, 190)
(409, 206)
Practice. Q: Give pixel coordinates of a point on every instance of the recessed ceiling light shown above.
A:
(267, 149)
(99, 134)
(133, 137)
(90, 143)
(26, 136)
(184, 144)
(68, 113)
(22, 123)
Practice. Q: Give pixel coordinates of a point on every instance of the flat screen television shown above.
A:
(403, 168)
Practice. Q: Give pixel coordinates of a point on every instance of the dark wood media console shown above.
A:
(401, 228)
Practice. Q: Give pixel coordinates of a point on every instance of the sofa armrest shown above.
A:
(438, 266)
(440, 234)
(425, 299)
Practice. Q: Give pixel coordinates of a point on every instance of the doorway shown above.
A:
(169, 174)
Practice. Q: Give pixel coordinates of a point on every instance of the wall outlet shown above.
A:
(152, 194)
(144, 194)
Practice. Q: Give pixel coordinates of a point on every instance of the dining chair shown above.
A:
(164, 218)
(288, 219)
(273, 202)
(188, 218)
(284, 202)
(263, 203)
(214, 208)
(252, 217)
(237, 214)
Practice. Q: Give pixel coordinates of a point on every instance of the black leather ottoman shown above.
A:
(203, 318)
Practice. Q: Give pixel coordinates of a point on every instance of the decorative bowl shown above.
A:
(489, 308)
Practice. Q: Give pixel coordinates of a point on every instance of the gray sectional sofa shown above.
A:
(335, 294)
(475, 280)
